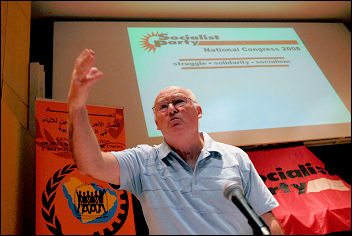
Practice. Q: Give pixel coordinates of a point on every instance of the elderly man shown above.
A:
(179, 183)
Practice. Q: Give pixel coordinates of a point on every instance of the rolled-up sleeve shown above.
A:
(130, 169)
(255, 191)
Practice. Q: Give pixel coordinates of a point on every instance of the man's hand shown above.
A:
(273, 223)
(84, 75)
(86, 151)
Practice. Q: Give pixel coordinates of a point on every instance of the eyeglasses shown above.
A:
(177, 102)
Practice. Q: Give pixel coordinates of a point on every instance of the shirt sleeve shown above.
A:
(255, 191)
(131, 163)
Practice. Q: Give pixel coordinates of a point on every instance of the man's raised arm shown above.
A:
(86, 151)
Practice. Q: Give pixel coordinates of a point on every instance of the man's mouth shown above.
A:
(174, 121)
(174, 118)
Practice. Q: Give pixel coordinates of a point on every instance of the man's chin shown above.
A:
(175, 129)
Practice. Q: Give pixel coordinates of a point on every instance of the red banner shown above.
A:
(312, 199)
(68, 202)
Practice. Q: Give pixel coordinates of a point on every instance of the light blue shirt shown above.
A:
(178, 200)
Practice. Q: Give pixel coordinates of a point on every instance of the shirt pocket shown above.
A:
(211, 187)
(215, 177)
(161, 188)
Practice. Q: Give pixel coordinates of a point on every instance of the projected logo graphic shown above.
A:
(148, 42)
(155, 40)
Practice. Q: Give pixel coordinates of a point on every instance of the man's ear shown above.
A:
(200, 113)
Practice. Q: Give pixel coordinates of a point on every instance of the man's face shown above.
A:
(179, 114)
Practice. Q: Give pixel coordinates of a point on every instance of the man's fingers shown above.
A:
(84, 62)
(93, 76)
(84, 75)
(94, 73)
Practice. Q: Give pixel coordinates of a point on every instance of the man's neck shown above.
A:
(188, 148)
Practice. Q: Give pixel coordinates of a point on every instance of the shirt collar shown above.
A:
(164, 149)
(210, 147)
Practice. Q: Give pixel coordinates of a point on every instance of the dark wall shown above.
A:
(41, 50)
(336, 159)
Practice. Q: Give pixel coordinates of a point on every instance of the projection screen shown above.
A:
(257, 83)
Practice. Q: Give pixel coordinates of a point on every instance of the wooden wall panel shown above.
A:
(17, 146)
(17, 51)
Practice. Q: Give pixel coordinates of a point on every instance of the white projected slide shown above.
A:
(244, 78)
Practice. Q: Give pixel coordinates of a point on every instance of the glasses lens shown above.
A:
(177, 102)
(162, 106)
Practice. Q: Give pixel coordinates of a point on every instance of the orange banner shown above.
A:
(313, 199)
(68, 202)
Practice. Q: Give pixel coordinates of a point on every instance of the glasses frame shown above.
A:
(172, 101)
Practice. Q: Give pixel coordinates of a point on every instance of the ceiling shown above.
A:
(311, 11)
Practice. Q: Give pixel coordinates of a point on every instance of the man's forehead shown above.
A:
(169, 93)
(168, 96)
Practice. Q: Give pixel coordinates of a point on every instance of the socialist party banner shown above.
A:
(312, 199)
(68, 202)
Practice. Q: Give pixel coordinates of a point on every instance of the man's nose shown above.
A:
(171, 108)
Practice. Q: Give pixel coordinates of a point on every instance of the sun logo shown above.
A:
(146, 42)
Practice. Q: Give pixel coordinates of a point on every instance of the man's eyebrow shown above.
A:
(171, 96)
